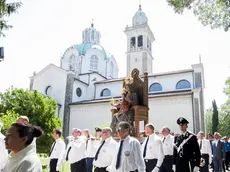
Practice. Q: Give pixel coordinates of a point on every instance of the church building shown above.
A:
(87, 79)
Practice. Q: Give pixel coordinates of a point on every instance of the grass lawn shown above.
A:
(65, 167)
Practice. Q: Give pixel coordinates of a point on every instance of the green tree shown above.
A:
(213, 13)
(40, 110)
(208, 121)
(6, 9)
(215, 117)
(224, 126)
(7, 119)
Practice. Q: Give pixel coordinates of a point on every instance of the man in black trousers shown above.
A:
(187, 153)
(56, 151)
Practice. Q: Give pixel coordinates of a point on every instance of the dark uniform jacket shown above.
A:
(189, 155)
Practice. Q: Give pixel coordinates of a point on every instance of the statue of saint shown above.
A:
(124, 111)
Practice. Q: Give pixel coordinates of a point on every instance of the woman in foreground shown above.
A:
(23, 157)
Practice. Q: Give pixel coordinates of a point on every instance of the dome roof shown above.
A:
(139, 18)
(140, 12)
(84, 47)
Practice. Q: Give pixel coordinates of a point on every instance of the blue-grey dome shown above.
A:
(140, 12)
(84, 47)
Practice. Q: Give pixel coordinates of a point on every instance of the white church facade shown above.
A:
(87, 79)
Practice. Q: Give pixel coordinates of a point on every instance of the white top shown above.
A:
(3, 152)
(106, 154)
(131, 157)
(154, 149)
(76, 153)
(91, 149)
(206, 148)
(58, 150)
(25, 160)
(168, 144)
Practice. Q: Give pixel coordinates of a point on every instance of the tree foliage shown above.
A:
(208, 121)
(6, 9)
(215, 117)
(224, 114)
(213, 13)
(40, 110)
(7, 119)
(225, 111)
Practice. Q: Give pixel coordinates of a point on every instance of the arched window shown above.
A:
(94, 63)
(183, 84)
(48, 91)
(133, 42)
(105, 93)
(140, 41)
(155, 87)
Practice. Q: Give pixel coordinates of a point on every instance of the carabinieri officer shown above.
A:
(187, 153)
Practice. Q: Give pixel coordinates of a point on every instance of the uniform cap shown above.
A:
(97, 129)
(182, 120)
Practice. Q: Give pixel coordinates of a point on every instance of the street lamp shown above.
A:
(1, 54)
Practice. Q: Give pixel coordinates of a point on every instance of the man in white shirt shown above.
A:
(75, 153)
(57, 151)
(152, 150)
(168, 147)
(92, 145)
(3, 151)
(206, 151)
(106, 152)
(128, 153)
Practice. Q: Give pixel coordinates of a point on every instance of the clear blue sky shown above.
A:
(44, 29)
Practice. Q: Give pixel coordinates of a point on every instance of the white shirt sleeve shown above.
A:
(209, 149)
(62, 157)
(139, 160)
(160, 154)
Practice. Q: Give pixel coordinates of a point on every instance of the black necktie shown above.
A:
(200, 144)
(98, 151)
(145, 148)
(52, 148)
(164, 139)
(67, 155)
(119, 155)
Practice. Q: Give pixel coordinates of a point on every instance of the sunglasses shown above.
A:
(122, 130)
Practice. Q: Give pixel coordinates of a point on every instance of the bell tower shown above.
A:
(139, 44)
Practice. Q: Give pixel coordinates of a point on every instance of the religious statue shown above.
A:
(123, 107)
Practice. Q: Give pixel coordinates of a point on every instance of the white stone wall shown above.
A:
(169, 82)
(114, 87)
(89, 115)
(112, 68)
(136, 61)
(163, 111)
(56, 78)
(90, 79)
(71, 57)
(101, 61)
(83, 87)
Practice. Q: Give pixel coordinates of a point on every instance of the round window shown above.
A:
(78, 92)
(48, 91)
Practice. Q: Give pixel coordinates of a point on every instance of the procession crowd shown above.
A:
(155, 152)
